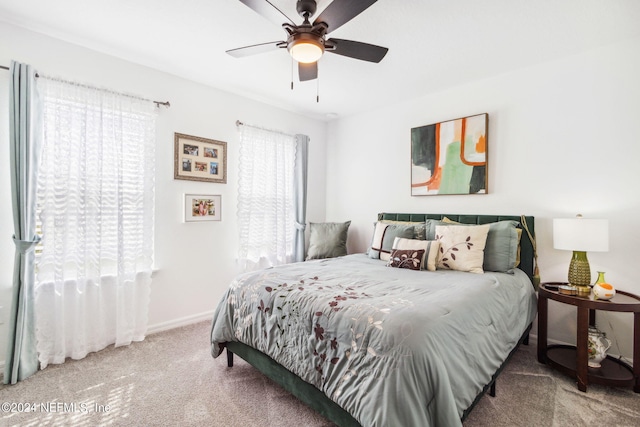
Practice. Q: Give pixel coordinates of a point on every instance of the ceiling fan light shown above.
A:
(306, 51)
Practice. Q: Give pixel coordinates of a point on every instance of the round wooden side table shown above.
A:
(573, 360)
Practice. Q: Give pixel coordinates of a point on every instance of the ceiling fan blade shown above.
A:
(307, 71)
(255, 49)
(267, 10)
(358, 50)
(340, 12)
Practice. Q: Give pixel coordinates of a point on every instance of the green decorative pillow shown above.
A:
(430, 248)
(406, 258)
(462, 247)
(501, 250)
(327, 239)
(384, 236)
(419, 228)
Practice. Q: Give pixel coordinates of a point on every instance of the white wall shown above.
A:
(195, 261)
(563, 139)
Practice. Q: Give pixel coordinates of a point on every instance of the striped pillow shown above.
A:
(383, 237)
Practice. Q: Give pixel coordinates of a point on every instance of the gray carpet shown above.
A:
(171, 379)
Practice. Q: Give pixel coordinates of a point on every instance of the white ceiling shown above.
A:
(433, 44)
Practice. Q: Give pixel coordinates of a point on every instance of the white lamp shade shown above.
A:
(581, 234)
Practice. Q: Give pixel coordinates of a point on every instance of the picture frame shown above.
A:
(450, 157)
(202, 207)
(199, 159)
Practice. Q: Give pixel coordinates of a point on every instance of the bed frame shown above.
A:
(315, 398)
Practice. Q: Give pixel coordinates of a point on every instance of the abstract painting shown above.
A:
(450, 157)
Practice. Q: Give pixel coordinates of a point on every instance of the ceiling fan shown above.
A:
(307, 42)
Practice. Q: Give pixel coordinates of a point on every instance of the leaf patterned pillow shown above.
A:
(406, 258)
(430, 247)
(462, 247)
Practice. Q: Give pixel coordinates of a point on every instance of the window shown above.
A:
(270, 197)
(96, 211)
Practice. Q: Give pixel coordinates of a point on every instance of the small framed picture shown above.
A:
(202, 207)
(200, 159)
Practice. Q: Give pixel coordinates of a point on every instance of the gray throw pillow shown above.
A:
(501, 250)
(327, 239)
(430, 225)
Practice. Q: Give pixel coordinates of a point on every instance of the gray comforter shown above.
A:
(393, 347)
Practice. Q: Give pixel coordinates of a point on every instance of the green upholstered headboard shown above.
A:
(527, 262)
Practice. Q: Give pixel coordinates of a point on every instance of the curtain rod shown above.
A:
(158, 103)
(239, 123)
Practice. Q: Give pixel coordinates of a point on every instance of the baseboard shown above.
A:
(183, 321)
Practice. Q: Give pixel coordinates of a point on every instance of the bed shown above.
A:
(368, 345)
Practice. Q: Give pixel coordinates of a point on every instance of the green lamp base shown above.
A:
(579, 270)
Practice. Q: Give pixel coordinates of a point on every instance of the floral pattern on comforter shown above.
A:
(391, 346)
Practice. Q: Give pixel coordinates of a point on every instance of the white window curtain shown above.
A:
(267, 213)
(96, 210)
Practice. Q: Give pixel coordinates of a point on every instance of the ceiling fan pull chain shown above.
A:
(292, 73)
(318, 85)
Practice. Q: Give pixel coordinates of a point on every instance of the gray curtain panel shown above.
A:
(24, 141)
(300, 195)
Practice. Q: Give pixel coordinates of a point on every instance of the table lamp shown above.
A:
(580, 235)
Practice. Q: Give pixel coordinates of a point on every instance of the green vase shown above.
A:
(600, 278)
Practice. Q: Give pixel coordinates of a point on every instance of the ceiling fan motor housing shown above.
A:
(306, 8)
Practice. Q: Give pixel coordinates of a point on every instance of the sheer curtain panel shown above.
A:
(96, 205)
(24, 140)
(266, 214)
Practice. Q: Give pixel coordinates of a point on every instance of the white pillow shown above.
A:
(430, 247)
(462, 247)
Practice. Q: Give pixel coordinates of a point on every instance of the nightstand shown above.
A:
(572, 360)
